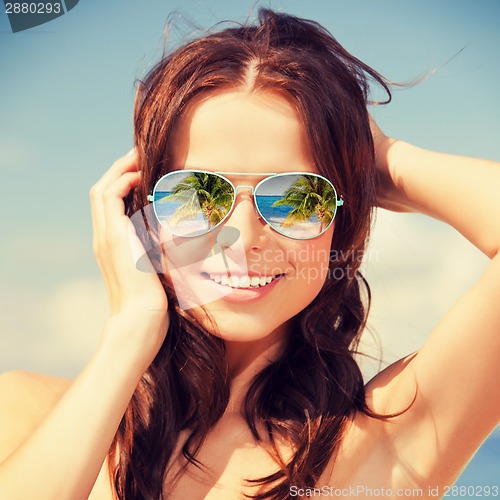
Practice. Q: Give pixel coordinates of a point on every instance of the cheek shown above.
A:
(310, 265)
(184, 253)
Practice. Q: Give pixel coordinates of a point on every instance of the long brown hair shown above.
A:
(308, 394)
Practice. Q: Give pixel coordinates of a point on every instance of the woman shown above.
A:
(249, 387)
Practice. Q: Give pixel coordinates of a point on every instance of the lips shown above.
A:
(244, 292)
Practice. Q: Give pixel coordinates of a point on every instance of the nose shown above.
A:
(246, 220)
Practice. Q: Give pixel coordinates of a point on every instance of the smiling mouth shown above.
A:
(244, 282)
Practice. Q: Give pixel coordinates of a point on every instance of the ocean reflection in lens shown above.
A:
(192, 203)
(299, 206)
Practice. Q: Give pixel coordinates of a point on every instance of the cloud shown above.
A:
(54, 332)
(75, 312)
(38, 249)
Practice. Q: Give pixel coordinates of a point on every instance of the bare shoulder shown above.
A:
(25, 399)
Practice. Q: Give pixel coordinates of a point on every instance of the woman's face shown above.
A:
(252, 133)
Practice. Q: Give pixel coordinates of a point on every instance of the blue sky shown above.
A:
(66, 97)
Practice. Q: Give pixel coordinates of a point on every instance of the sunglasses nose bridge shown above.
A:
(252, 193)
(237, 188)
(243, 187)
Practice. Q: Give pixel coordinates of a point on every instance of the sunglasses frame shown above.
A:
(267, 176)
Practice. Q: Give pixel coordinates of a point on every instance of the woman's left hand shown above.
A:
(388, 194)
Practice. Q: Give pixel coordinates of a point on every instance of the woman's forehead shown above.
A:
(242, 131)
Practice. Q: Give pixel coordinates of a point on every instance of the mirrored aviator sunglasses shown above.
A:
(299, 205)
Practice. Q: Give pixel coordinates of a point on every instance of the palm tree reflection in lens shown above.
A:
(201, 193)
(309, 196)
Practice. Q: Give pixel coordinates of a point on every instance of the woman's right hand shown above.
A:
(138, 304)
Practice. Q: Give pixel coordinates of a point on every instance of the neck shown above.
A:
(246, 360)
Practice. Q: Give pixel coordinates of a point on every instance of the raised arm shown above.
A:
(61, 459)
(461, 191)
(456, 374)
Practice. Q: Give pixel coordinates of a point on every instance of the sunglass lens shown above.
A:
(191, 203)
(297, 205)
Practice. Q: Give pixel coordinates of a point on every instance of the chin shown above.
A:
(238, 326)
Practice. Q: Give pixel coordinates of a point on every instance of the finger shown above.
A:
(122, 186)
(128, 163)
(112, 201)
(108, 203)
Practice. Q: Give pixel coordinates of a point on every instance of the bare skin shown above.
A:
(49, 423)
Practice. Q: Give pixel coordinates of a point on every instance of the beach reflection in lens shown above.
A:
(190, 203)
(297, 205)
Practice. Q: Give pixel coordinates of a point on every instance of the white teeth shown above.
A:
(241, 281)
(254, 281)
(244, 282)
